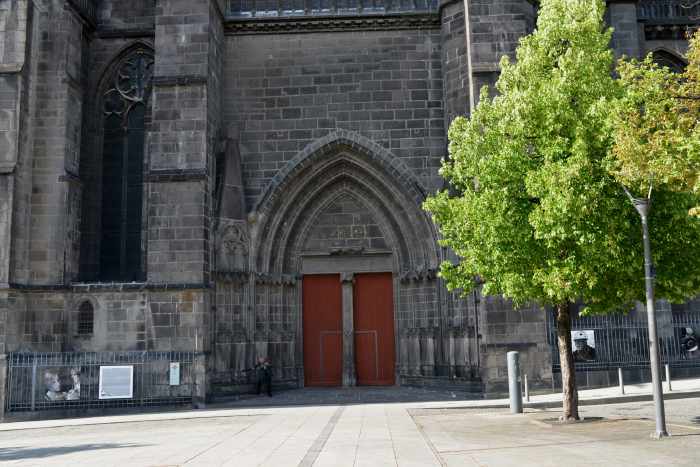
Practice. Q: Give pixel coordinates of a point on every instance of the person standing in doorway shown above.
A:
(263, 373)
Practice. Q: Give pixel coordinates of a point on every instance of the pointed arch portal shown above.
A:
(346, 216)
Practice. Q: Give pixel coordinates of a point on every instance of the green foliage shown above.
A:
(532, 210)
(656, 126)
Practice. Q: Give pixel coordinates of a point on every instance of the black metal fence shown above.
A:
(622, 341)
(71, 380)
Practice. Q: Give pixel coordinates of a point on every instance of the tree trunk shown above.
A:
(566, 358)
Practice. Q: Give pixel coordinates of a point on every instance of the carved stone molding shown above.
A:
(419, 275)
(332, 23)
(238, 277)
(175, 175)
(346, 251)
(232, 246)
(276, 278)
(677, 32)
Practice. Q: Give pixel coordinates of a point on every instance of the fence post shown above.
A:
(3, 384)
(621, 381)
(199, 381)
(33, 382)
(527, 389)
(668, 377)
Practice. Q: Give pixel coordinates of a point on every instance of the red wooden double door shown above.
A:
(373, 319)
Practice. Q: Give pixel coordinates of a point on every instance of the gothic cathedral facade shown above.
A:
(244, 178)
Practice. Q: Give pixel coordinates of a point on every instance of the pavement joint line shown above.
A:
(427, 440)
(217, 444)
(359, 438)
(391, 435)
(317, 446)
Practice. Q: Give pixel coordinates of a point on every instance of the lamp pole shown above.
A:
(642, 205)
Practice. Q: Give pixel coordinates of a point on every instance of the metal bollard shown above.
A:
(527, 389)
(668, 377)
(516, 397)
(621, 381)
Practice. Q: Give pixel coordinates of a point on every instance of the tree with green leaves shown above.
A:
(531, 210)
(655, 123)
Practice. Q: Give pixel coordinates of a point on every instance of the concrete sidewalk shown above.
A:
(368, 435)
(265, 406)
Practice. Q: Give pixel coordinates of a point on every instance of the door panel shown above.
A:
(373, 313)
(323, 330)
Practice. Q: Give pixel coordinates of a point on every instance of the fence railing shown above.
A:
(73, 380)
(669, 10)
(240, 9)
(623, 340)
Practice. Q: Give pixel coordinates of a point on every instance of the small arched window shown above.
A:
(125, 119)
(86, 319)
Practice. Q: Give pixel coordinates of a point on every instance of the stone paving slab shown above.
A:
(369, 435)
(505, 440)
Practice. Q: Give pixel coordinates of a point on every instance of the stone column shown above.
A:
(183, 137)
(627, 32)
(349, 376)
(55, 185)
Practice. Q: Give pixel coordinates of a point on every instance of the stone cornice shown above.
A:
(332, 23)
(87, 287)
(176, 175)
(179, 80)
(125, 33)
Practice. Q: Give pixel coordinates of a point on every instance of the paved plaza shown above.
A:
(364, 433)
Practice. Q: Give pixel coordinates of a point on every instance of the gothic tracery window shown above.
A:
(125, 118)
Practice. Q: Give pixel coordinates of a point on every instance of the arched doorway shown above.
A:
(345, 218)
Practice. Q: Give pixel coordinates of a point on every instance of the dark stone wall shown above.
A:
(120, 15)
(496, 26)
(56, 145)
(455, 66)
(284, 91)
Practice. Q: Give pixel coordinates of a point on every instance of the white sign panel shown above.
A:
(174, 373)
(584, 345)
(116, 382)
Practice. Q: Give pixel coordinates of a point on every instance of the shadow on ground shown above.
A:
(18, 453)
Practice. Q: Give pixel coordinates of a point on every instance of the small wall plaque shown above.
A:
(174, 373)
(116, 382)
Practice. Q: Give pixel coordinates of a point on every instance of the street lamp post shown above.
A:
(642, 206)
